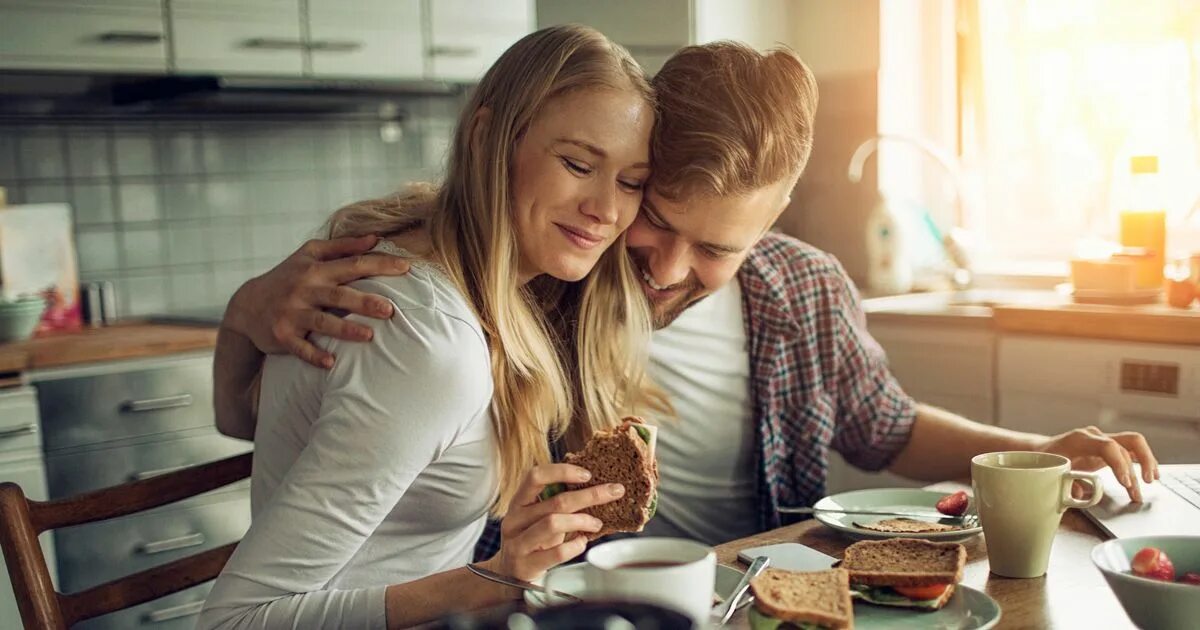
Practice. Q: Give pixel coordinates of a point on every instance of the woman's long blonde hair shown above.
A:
(595, 330)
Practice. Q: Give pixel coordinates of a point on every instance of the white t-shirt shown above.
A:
(708, 486)
(371, 474)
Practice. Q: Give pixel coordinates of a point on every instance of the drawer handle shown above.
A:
(172, 544)
(332, 45)
(130, 37)
(175, 612)
(155, 404)
(274, 43)
(146, 474)
(453, 51)
(19, 430)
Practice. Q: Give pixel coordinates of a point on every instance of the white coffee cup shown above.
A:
(672, 572)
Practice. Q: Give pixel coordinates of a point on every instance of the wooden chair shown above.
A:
(21, 520)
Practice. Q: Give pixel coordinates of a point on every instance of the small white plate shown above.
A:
(895, 499)
(968, 609)
(569, 579)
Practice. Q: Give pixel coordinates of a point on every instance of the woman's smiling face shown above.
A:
(578, 174)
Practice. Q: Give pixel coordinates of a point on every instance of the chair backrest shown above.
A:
(21, 520)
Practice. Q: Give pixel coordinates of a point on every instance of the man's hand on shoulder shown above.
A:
(278, 309)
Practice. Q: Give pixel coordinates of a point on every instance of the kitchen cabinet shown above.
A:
(111, 422)
(1053, 384)
(21, 462)
(366, 38)
(653, 31)
(255, 37)
(116, 35)
(466, 37)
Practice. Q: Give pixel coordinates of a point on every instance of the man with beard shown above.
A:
(761, 347)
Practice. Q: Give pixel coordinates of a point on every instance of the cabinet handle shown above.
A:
(19, 430)
(155, 404)
(453, 51)
(175, 612)
(146, 474)
(335, 45)
(171, 544)
(130, 37)
(274, 43)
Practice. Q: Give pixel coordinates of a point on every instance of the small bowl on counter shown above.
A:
(1155, 604)
(20, 317)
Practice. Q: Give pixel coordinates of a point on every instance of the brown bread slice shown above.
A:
(619, 456)
(904, 562)
(819, 597)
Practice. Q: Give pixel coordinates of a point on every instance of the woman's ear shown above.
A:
(479, 126)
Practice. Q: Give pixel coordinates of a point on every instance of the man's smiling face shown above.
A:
(688, 248)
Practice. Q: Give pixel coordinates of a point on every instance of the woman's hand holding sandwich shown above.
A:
(537, 535)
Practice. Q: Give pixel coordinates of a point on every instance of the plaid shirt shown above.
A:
(819, 380)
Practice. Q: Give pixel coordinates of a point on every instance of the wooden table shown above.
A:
(1072, 594)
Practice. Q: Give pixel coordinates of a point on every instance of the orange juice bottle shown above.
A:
(1144, 221)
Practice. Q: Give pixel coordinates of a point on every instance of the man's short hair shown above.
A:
(731, 120)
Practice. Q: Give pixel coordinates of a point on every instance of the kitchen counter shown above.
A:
(1040, 313)
(121, 341)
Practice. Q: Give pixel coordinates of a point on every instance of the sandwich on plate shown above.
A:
(794, 600)
(904, 572)
(624, 455)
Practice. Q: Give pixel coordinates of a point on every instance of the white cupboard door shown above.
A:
(122, 35)
(652, 31)
(467, 36)
(30, 474)
(366, 38)
(257, 37)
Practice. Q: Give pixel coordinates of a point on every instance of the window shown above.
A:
(1055, 97)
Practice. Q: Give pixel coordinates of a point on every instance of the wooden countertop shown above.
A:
(121, 341)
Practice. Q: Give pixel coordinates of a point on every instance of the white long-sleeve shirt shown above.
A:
(377, 472)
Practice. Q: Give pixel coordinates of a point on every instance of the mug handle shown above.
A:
(1092, 480)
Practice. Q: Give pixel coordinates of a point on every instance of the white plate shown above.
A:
(968, 609)
(569, 579)
(897, 499)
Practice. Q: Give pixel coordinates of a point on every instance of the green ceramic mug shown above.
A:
(1021, 497)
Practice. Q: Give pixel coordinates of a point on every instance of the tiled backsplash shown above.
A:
(179, 214)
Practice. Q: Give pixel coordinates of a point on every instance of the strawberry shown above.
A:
(1191, 577)
(1154, 564)
(953, 504)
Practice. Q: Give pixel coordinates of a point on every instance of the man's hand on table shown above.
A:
(278, 309)
(1091, 449)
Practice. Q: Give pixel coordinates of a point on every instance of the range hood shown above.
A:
(91, 95)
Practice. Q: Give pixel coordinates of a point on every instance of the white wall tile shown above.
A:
(184, 200)
(144, 295)
(135, 154)
(93, 204)
(46, 192)
(143, 248)
(228, 241)
(89, 154)
(188, 244)
(180, 152)
(192, 290)
(226, 197)
(138, 202)
(40, 155)
(97, 250)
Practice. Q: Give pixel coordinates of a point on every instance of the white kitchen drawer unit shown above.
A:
(260, 37)
(466, 37)
(19, 428)
(366, 38)
(121, 35)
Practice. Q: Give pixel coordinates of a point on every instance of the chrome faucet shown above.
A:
(960, 273)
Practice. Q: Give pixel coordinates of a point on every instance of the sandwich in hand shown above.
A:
(624, 455)
(904, 572)
(793, 600)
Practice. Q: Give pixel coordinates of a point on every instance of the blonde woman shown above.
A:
(372, 481)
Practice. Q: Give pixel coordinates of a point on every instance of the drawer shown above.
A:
(95, 553)
(368, 39)
(96, 409)
(82, 36)
(83, 471)
(19, 427)
(260, 37)
(173, 612)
